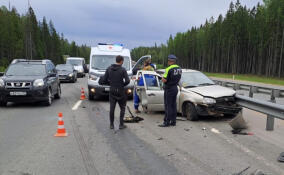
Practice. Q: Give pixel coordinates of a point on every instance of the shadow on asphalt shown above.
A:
(30, 104)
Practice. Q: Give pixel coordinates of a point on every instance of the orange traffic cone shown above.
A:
(83, 97)
(60, 128)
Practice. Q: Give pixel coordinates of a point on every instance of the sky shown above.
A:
(133, 23)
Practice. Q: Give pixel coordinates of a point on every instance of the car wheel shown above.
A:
(3, 103)
(190, 112)
(91, 97)
(58, 95)
(49, 100)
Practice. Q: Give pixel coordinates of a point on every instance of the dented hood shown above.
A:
(214, 91)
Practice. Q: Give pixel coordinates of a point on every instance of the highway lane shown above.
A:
(27, 144)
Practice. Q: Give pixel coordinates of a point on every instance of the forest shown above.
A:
(24, 36)
(243, 41)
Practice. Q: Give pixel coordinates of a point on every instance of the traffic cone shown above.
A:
(83, 97)
(60, 128)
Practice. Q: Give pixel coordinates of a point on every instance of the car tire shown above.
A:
(3, 103)
(91, 97)
(58, 95)
(190, 112)
(49, 100)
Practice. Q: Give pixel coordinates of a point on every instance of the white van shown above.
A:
(79, 65)
(101, 58)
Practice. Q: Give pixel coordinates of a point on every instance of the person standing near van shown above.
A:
(117, 77)
(171, 79)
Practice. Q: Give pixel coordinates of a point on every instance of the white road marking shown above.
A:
(75, 107)
(215, 131)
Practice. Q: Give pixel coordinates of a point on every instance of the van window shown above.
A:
(102, 62)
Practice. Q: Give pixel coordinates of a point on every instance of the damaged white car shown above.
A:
(198, 95)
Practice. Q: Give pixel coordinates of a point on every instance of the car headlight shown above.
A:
(209, 100)
(38, 83)
(70, 75)
(81, 70)
(2, 84)
(93, 77)
(129, 91)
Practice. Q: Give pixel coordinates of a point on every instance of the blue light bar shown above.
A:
(118, 45)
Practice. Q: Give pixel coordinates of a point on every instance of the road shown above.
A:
(206, 147)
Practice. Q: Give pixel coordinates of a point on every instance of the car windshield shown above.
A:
(195, 79)
(64, 68)
(102, 62)
(74, 62)
(26, 70)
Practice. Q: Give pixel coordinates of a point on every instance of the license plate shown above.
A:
(106, 89)
(18, 93)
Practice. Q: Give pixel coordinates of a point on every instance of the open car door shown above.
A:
(151, 94)
(139, 64)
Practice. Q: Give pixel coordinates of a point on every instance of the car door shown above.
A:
(154, 93)
(139, 64)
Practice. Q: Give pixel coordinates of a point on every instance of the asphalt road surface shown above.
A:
(206, 147)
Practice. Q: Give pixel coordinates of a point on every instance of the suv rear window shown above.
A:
(26, 70)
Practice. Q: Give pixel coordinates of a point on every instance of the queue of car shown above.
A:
(39, 80)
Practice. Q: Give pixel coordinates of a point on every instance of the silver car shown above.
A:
(197, 96)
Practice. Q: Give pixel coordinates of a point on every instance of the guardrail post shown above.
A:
(237, 86)
(251, 91)
(270, 123)
(270, 119)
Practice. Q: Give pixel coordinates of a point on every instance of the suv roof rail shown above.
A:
(18, 60)
(27, 61)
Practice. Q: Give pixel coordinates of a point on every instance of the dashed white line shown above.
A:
(75, 107)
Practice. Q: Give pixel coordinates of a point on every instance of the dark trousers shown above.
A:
(170, 97)
(117, 96)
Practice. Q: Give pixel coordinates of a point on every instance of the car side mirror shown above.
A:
(1, 74)
(52, 74)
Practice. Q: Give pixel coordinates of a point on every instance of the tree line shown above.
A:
(23, 36)
(244, 41)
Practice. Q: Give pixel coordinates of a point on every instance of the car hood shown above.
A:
(214, 91)
(64, 72)
(22, 78)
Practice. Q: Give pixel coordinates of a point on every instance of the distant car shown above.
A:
(197, 96)
(79, 65)
(30, 81)
(66, 73)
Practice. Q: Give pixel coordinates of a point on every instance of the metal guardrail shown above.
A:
(270, 108)
(273, 92)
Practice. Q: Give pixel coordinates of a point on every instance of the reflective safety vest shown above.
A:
(173, 75)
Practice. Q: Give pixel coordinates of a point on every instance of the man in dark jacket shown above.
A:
(117, 77)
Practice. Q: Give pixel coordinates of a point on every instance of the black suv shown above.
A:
(30, 81)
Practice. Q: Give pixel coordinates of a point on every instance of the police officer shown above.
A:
(171, 79)
(117, 77)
